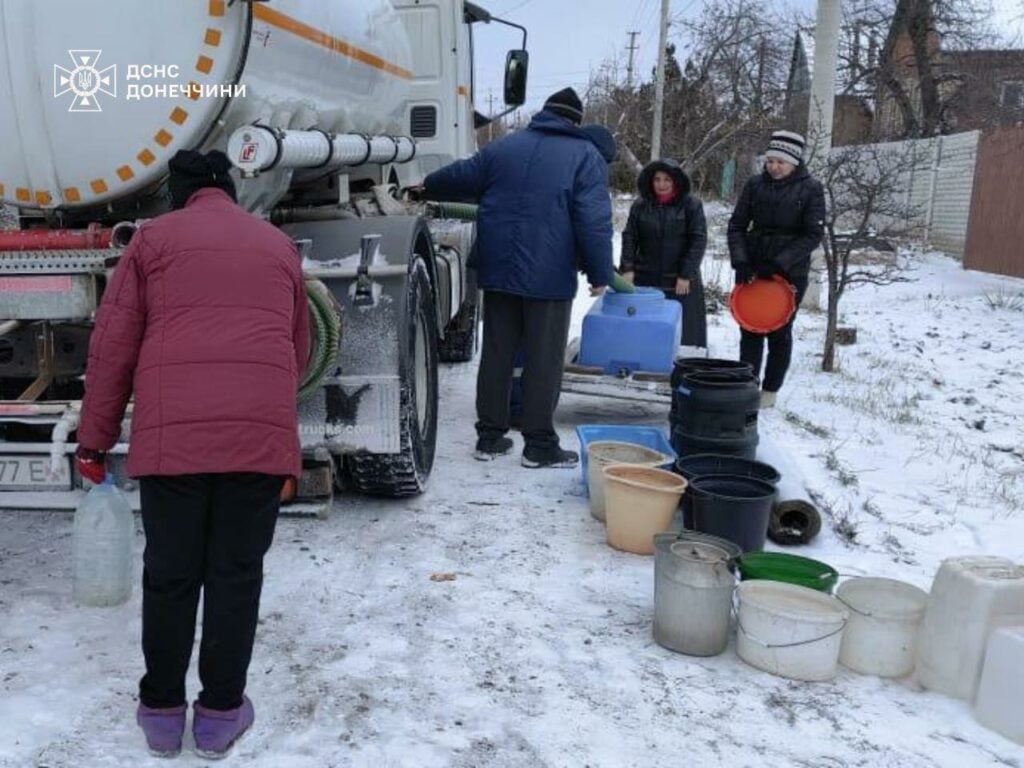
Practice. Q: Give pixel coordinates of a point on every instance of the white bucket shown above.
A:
(603, 453)
(885, 615)
(790, 631)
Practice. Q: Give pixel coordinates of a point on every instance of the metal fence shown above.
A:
(936, 187)
(995, 237)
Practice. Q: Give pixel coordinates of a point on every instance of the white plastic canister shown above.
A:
(971, 596)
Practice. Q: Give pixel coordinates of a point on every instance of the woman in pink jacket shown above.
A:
(205, 322)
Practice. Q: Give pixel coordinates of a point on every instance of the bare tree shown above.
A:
(733, 82)
(910, 68)
(868, 207)
(725, 79)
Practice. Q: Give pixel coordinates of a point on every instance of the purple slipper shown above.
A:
(163, 728)
(215, 731)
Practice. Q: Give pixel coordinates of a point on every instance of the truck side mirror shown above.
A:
(516, 65)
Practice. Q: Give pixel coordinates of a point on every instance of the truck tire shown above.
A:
(460, 341)
(405, 474)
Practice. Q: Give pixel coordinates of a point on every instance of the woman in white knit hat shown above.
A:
(778, 221)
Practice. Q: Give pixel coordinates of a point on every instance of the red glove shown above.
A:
(92, 465)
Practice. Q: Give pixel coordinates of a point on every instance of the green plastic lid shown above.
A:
(791, 569)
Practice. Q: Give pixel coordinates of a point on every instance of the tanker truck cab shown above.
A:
(329, 112)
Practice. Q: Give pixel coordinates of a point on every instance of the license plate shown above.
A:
(30, 473)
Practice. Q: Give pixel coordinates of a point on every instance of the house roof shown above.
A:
(805, 38)
(801, 68)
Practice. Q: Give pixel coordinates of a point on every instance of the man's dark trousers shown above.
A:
(206, 532)
(540, 327)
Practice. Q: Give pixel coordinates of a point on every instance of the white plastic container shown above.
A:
(790, 631)
(971, 596)
(998, 705)
(885, 616)
(104, 529)
(604, 453)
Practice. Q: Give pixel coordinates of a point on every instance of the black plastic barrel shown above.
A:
(735, 508)
(717, 403)
(702, 465)
(686, 444)
(685, 365)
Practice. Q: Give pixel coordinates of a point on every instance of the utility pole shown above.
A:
(490, 111)
(823, 81)
(632, 48)
(819, 123)
(659, 87)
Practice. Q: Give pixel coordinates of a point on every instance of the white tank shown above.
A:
(73, 135)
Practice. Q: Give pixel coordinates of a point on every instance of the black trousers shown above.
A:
(780, 346)
(209, 533)
(540, 328)
(695, 315)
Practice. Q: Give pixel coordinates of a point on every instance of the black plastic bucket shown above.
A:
(720, 464)
(735, 508)
(702, 465)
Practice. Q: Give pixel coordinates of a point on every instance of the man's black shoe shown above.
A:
(549, 456)
(490, 448)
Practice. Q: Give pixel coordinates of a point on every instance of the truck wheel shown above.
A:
(405, 474)
(460, 342)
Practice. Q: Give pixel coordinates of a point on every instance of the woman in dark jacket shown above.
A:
(664, 241)
(778, 221)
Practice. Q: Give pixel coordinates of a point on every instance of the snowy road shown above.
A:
(539, 651)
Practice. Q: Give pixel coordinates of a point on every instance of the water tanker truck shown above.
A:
(329, 111)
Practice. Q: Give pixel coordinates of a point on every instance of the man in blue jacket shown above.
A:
(544, 213)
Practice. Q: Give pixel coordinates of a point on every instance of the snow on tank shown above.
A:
(75, 135)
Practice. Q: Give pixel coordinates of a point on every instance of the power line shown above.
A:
(650, 22)
(638, 12)
(516, 7)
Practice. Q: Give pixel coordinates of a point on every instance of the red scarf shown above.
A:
(665, 199)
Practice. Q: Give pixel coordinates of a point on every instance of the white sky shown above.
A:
(569, 38)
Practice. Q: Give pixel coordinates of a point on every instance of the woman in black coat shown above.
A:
(664, 241)
(778, 221)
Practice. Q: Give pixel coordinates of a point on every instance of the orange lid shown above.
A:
(764, 305)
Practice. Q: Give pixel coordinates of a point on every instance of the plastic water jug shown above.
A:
(102, 547)
(628, 332)
(970, 598)
(1002, 680)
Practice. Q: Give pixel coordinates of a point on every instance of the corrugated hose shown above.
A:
(325, 336)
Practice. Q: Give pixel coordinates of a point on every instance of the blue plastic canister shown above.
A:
(628, 332)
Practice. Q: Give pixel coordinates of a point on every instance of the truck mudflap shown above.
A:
(355, 413)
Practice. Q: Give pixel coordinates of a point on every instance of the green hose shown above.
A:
(619, 284)
(325, 337)
(460, 211)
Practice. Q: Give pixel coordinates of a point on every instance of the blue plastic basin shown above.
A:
(649, 437)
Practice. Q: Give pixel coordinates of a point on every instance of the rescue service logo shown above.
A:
(86, 81)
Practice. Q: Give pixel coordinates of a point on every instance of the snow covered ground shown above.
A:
(532, 646)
